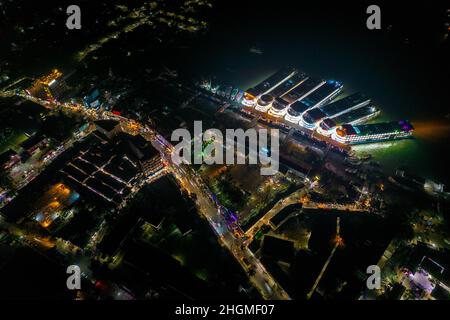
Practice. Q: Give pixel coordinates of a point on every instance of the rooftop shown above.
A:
(106, 125)
(32, 141)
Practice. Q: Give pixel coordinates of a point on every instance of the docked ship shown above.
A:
(329, 90)
(279, 107)
(289, 84)
(375, 132)
(303, 90)
(295, 111)
(312, 93)
(311, 119)
(264, 102)
(280, 90)
(327, 126)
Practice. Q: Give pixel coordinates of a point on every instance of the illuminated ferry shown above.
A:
(239, 96)
(300, 92)
(249, 100)
(295, 111)
(328, 125)
(251, 95)
(303, 90)
(311, 119)
(376, 132)
(264, 103)
(288, 85)
(323, 93)
(279, 107)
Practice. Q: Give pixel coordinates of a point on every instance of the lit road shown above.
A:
(27, 237)
(338, 243)
(260, 278)
(297, 197)
(293, 198)
(335, 206)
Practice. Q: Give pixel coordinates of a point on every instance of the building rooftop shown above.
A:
(136, 147)
(32, 141)
(284, 213)
(6, 156)
(107, 125)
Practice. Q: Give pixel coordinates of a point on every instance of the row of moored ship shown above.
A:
(310, 103)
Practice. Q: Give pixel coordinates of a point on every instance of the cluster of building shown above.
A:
(97, 99)
(425, 277)
(92, 99)
(309, 102)
(111, 162)
(10, 158)
(50, 87)
(55, 204)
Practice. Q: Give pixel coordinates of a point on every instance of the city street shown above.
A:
(258, 275)
(260, 278)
